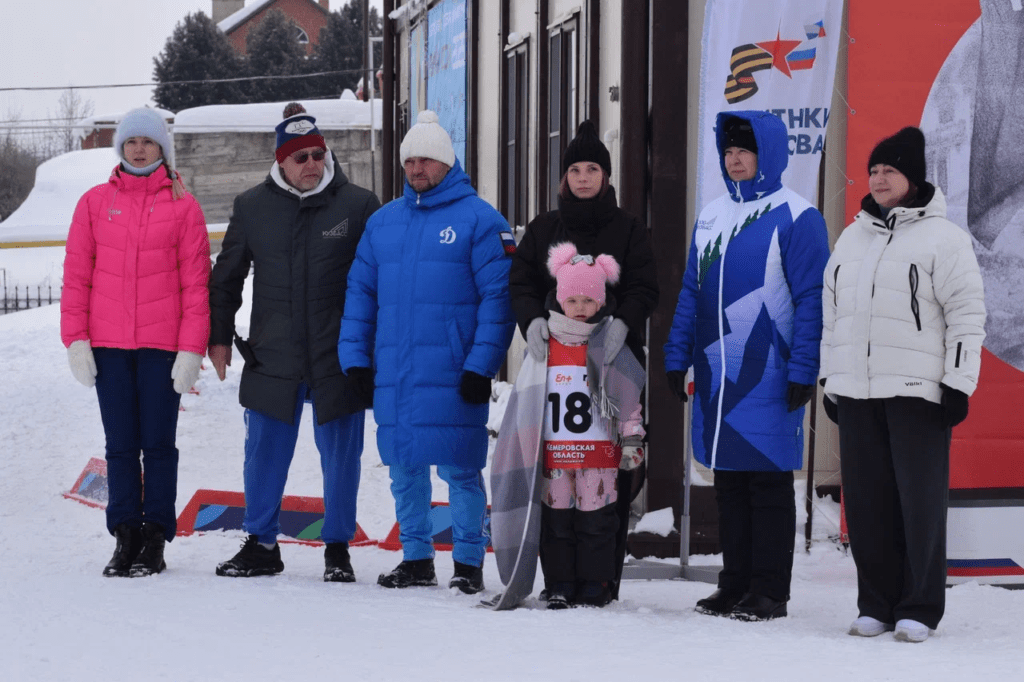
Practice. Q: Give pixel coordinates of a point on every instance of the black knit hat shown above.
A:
(904, 151)
(587, 146)
(739, 133)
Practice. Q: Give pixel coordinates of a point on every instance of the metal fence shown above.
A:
(21, 298)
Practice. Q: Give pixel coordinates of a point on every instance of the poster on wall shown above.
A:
(960, 78)
(446, 70)
(779, 57)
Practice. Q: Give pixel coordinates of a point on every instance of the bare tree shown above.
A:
(72, 108)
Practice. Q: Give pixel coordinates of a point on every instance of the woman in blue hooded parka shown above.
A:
(748, 321)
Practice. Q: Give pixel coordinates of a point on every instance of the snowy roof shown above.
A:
(107, 119)
(232, 22)
(60, 182)
(330, 114)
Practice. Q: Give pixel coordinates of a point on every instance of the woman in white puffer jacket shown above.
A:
(904, 322)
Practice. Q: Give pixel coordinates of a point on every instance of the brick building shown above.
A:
(235, 19)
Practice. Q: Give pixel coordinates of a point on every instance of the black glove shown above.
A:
(475, 389)
(954, 406)
(798, 395)
(361, 381)
(677, 383)
(831, 410)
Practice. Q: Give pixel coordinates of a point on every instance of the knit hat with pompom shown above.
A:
(428, 140)
(579, 275)
(297, 131)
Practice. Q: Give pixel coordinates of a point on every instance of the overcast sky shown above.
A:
(65, 43)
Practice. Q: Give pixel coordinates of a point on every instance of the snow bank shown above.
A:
(60, 182)
(334, 114)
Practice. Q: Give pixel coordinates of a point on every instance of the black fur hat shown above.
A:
(904, 151)
(587, 146)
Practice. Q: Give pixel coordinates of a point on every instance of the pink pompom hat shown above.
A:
(580, 275)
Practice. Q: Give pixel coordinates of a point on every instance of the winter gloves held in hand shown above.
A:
(632, 454)
(82, 363)
(954, 406)
(361, 380)
(185, 370)
(798, 395)
(677, 383)
(537, 339)
(475, 389)
(831, 410)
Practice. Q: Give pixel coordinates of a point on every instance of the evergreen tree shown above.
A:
(17, 174)
(197, 50)
(340, 48)
(274, 50)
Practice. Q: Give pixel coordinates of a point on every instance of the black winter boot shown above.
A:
(337, 565)
(151, 557)
(468, 578)
(719, 603)
(252, 560)
(418, 573)
(756, 607)
(129, 543)
(561, 595)
(593, 593)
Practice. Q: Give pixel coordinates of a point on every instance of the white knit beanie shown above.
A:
(427, 139)
(144, 123)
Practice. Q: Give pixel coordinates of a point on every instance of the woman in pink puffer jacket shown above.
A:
(135, 317)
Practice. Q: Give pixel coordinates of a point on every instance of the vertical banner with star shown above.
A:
(772, 55)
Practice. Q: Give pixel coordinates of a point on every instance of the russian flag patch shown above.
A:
(508, 243)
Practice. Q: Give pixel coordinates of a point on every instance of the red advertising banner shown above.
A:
(955, 68)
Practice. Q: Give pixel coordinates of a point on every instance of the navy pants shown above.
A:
(139, 409)
(269, 447)
(467, 501)
(894, 456)
(757, 529)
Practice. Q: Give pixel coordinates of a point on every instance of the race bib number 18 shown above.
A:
(573, 439)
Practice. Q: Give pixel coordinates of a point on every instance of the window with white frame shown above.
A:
(562, 114)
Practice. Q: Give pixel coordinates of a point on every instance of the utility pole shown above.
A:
(366, 50)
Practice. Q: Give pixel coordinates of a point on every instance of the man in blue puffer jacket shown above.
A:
(749, 323)
(427, 323)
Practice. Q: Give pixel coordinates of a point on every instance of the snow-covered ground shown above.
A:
(61, 620)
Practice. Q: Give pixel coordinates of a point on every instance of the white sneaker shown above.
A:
(866, 626)
(911, 631)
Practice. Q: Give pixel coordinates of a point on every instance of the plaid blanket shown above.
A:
(518, 463)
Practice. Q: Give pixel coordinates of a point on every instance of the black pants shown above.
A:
(756, 529)
(894, 457)
(579, 546)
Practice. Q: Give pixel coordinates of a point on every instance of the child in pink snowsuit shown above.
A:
(582, 451)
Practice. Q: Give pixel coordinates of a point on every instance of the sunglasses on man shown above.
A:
(301, 157)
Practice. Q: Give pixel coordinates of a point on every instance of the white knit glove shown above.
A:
(82, 363)
(185, 370)
(537, 339)
(614, 340)
(632, 453)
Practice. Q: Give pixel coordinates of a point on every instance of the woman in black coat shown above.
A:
(589, 217)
